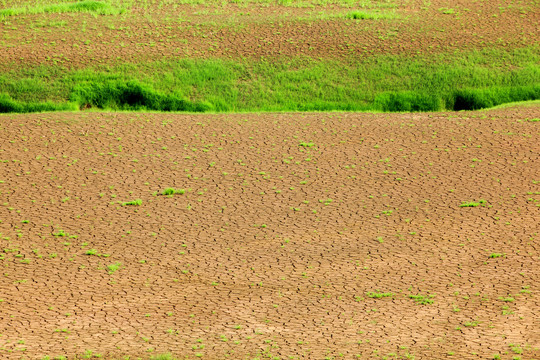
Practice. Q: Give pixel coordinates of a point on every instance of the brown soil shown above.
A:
(254, 31)
(275, 246)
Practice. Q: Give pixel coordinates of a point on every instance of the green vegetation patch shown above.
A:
(137, 202)
(408, 101)
(422, 299)
(300, 3)
(96, 7)
(466, 80)
(379, 295)
(95, 253)
(363, 15)
(474, 99)
(473, 204)
(130, 95)
(8, 105)
(172, 191)
(112, 268)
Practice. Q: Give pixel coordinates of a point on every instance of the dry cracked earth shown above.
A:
(297, 236)
(262, 31)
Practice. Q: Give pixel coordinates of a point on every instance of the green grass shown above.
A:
(8, 105)
(299, 3)
(130, 95)
(91, 252)
(112, 268)
(137, 202)
(172, 191)
(95, 253)
(458, 81)
(422, 299)
(96, 7)
(379, 295)
(163, 357)
(362, 15)
(518, 103)
(473, 204)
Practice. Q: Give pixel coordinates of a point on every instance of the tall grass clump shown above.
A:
(119, 95)
(8, 105)
(362, 15)
(90, 6)
(474, 99)
(407, 101)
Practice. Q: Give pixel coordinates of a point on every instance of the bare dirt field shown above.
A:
(301, 236)
(258, 30)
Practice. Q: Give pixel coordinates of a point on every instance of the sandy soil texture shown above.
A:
(307, 236)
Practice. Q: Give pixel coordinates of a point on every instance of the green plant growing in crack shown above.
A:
(112, 268)
(422, 299)
(172, 191)
(62, 233)
(473, 204)
(137, 202)
(89, 354)
(379, 295)
(95, 252)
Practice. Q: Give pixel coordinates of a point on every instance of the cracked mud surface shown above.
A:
(262, 31)
(298, 235)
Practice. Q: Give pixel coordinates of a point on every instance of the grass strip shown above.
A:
(300, 3)
(457, 81)
(90, 6)
(8, 105)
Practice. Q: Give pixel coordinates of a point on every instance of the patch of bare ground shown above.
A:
(298, 235)
(254, 31)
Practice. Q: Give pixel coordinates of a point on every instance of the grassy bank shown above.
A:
(460, 81)
(90, 6)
